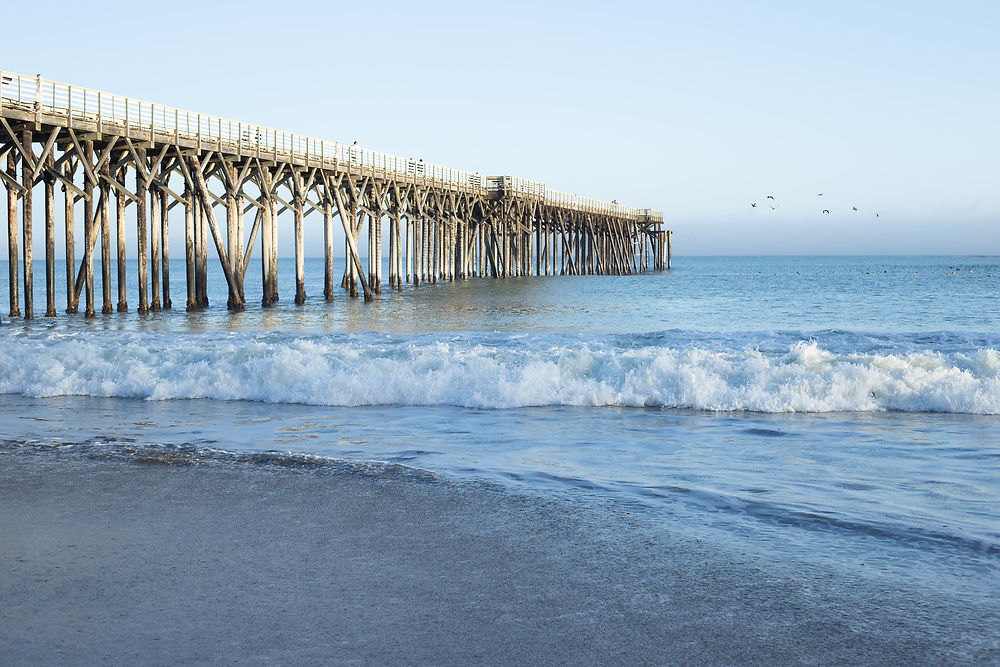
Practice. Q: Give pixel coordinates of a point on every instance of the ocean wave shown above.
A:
(495, 372)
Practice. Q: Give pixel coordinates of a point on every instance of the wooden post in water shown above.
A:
(552, 245)
(327, 243)
(89, 231)
(275, 297)
(121, 239)
(408, 245)
(203, 209)
(164, 245)
(416, 247)
(50, 234)
(234, 238)
(300, 273)
(371, 251)
(392, 249)
(424, 251)
(228, 265)
(26, 182)
(70, 202)
(353, 257)
(393, 231)
(398, 242)
(266, 238)
(189, 225)
(141, 192)
(376, 218)
(429, 250)
(105, 212)
(155, 225)
(438, 242)
(12, 253)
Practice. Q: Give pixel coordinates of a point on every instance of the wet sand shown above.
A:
(137, 561)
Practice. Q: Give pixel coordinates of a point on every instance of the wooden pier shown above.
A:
(120, 161)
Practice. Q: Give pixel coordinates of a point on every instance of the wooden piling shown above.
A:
(234, 239)
(26, 232)
(228, 267)
(300, 272)
(70, 202)
(371, 251)
(164, 249)
(121, 241)
(415, 250)
(275, 296)
(408, 247)
(12, 252)
(328, 246)
(266, 238)
(142, 256)
(376, 219)
(50, 237)
(353, 258)
(204, 210)
(189, 257)
(105, 213)
(154, 246)
(398, 245)
(89, 232)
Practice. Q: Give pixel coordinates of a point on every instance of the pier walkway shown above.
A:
(123, 162)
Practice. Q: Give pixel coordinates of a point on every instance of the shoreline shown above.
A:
(135, 560)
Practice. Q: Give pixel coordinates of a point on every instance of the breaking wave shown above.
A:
(494, 371)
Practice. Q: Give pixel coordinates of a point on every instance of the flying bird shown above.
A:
(819, 194)
(854, 208)
(876, 214)
(770, 196)
(753, 205)
(774, 206)
(825, 210)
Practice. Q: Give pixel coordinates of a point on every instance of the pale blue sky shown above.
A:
(696, 108)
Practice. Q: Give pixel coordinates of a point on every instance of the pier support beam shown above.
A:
(70, 202)
(12, 253)
(155, 225)
(165, 252)
(354, 257)
(234, 213)
(328, 293)
(28, 184)
(89, 231)
(50, 238)
(105, 212)
(206, 200)
(267, 264)
(189, 258)
(141, 192)
(121, 240)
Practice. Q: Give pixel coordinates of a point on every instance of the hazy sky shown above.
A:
(696, 108)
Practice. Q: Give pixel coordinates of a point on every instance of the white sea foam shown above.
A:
(498, 372)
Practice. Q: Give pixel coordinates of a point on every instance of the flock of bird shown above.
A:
(771, 202)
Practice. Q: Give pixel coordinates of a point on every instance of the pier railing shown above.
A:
(105, 112)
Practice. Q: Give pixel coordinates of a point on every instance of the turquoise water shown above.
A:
(831, 410)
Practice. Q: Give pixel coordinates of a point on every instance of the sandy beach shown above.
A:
(134, 560)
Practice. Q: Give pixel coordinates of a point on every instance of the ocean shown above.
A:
(841, 414)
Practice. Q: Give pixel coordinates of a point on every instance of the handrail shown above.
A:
(37, 95)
